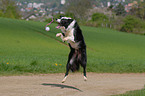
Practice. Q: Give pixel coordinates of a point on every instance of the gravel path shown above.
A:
(50, 84)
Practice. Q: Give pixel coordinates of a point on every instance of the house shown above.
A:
(130, 5)
(62, 2)
(29, 16)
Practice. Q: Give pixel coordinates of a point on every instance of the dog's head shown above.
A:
(64, 22)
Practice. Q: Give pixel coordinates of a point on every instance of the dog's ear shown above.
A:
(70, 20)
(61, 16)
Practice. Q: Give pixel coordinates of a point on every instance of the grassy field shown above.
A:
(133, 93)
(25, 47)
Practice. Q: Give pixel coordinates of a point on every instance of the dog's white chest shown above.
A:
(70, 35)
(74, 45)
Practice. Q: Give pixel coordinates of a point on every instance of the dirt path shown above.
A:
(50, 84)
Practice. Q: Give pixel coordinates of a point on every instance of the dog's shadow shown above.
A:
(61, 86)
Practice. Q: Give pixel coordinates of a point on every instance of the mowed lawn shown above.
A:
(113, 51)
(25, 47)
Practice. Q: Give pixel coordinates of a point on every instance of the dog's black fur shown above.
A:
(77, 55)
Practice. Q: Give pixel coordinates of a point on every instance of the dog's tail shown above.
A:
(75, 67)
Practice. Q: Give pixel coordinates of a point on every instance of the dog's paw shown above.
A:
(64, 79)
(85, 78)
(58, 34)
(65, 39)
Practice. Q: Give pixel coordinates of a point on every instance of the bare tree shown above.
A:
(78, 7)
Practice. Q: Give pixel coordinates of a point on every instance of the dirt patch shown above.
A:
(50, 84)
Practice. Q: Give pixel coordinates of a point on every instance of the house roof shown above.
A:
(29, 15)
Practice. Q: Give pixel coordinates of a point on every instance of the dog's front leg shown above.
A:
(69, 39)
(66, 39)
(60, 35)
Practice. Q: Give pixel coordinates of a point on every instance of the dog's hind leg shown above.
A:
(85, 77)
(68, 64)
(66, 74)
(82, 58)
(64, 79)
(84, 70)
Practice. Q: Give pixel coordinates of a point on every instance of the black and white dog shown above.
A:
(72, 33)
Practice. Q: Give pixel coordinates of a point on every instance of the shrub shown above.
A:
(69, 14)
(130, 22)
(127, 28)
(120, 10)
(99, 17)
(1, 13)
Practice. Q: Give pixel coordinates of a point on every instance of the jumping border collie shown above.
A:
(72, 33)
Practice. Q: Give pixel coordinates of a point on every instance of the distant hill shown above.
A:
(38, 1)
(104, 2)
(98, 2)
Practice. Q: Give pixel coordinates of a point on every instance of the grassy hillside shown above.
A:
(25, 47)
(113, 51)
(133, 93)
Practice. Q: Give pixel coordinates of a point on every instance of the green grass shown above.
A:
(133, 93)
(22, 43)
(112, 51)
(25, 47)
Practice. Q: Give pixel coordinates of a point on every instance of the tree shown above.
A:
(110, 7)
(120, 10)
(130, 23)
(100, 20)
(141, 10)
(9, 9)
(78, 7)
(138, 10)
(1, 13)
(99, 16)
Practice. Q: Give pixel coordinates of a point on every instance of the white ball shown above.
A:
(47, 28)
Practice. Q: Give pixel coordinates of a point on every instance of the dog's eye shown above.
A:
(63, 22)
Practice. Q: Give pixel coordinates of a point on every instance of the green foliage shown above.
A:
(1, 13)
(141, 10)
(130, 22)
(120, 10)
(99, 17)
(138, 10)
(127, 28)
(9, 10)
(69, 14)
(79, 8)
(143, 24)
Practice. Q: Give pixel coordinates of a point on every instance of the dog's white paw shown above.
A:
(85, 78)
(65, 39)
(64, 79)
(58, 34)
